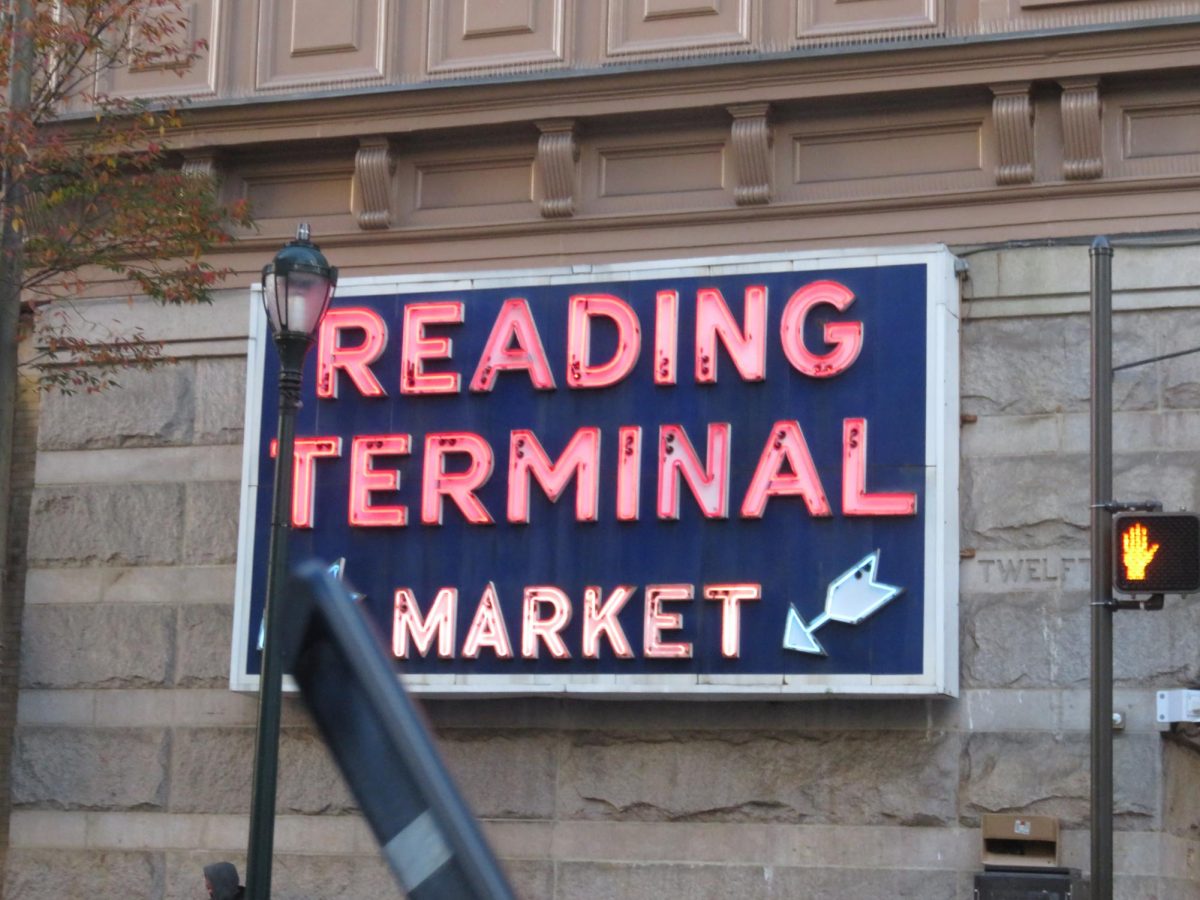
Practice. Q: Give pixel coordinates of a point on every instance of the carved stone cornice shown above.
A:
(374, 165)
(411, 109)
(975, 221)
(1012, 116)
(557, 155)
(1082, 152)
(751, 140)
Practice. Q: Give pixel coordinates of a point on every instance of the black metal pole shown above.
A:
(1102, 610)
(22, 55)
(260, 849)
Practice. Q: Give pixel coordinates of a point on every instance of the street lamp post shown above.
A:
(297, 287)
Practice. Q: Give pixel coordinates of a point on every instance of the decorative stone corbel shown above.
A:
(210, 164)
(1082, 153)
(1012, 115)
(374, 165)
(201, 164)
(751, 140)
(557, 156)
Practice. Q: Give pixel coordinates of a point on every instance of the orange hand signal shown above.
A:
(1137, 552)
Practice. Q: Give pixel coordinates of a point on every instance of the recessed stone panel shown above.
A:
(886, 154)
(666, 9)
(170, 76)
(904, 152)
(315, 31)
(494, 34)
(181, 29)
(321, 41)
(296, 197)
(1151, 132)
(639, 174)
(817, 18)
(1162, 131)
(317, 191)
(488, 18)
(666, 26)
(463, 185)
(661, 170)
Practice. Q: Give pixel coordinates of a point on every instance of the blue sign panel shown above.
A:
(712, 476)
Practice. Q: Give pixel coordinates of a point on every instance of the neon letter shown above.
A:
(710, 486)
(364, 480)
(747, 347)
(846, 337)
(785, 444)
(546, 629)
(439, 623)
(416, 348)
(487, 628)
(581, 457)
(657, 622)
(304, 473)
(598, 620)
(458, 486)
(580, 371)
(354, 361)
(666, 336)
(730, 595)
(629, 473)
(514, 322)
(855, 499)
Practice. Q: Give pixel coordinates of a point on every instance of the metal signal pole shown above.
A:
(1102, 606)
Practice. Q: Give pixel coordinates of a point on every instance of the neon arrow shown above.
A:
(338, 570)
(852, 597)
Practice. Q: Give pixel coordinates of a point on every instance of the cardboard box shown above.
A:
(1018, 842)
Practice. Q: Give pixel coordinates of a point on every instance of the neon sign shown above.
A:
(641, 479)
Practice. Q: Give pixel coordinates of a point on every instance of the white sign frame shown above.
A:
(939, 675)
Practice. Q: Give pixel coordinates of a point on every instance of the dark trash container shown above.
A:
(1042, 884)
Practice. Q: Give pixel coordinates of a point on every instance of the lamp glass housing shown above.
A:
(297, 287)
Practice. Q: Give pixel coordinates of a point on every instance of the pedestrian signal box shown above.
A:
(1156, 553)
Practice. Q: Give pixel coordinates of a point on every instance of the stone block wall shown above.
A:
(131, 762)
